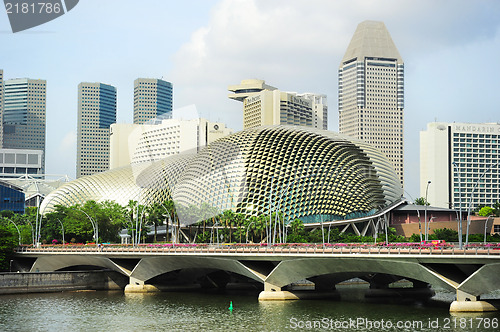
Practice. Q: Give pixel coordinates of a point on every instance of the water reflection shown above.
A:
(183, 311)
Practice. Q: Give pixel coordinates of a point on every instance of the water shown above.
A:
(176, 311)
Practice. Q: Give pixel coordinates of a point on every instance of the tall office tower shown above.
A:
(266, 105)
(152, 99)
(96, 113)
(462, 162)
(23, 115)
(371, 91)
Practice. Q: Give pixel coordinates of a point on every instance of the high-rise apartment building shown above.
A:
(371, 91)
(152, 99)
(461, 160)
(266, 105)
(24, 115)
(96, 113)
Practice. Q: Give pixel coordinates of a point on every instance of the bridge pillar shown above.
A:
(470, 303)
(274, 293)
(138, 286)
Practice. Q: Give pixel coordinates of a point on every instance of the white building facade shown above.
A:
(18, 162)
(265, 105)
(132, 143)
(461, 161)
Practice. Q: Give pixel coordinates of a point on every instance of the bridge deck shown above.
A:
(316, 250)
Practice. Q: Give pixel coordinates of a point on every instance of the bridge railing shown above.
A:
(281, 250)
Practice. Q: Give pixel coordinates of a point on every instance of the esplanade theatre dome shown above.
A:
(306, 173)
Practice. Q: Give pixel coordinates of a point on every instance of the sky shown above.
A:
(451, 51)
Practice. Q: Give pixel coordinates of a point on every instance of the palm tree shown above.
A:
(262, 224)
(227, 219)
(131, 208)
(171, 211)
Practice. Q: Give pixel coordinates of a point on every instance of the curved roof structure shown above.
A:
(305, 173)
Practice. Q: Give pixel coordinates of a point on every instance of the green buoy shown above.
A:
(230, 306)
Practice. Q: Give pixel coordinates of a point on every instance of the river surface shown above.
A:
(188, 311)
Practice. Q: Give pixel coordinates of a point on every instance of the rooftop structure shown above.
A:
(265, 105)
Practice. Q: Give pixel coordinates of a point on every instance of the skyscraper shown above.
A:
(152, 98)
(371, 91)
(23, 115)
(266, 105)
(96, 113)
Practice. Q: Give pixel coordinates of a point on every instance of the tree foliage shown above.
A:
(486, 211)
(8, 241)
(421, 201)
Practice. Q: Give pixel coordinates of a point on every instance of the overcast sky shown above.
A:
(451, 51)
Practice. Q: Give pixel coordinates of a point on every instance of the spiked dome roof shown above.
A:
(306, 173)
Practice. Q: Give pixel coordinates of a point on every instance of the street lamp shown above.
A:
(470, 201)
(425, 217)
(18, 232)
(32, 232)
(62, 227)
(94, 227)
(212, 232)
(38, 222)
(460, 204)
(485, 225)
(418, 215)
(429, 225)
(248, 227)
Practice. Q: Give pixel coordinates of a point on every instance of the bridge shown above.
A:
(469, 272)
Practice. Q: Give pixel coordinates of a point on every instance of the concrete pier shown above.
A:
(141, 288)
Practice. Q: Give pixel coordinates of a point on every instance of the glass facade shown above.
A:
(11, 198)
(153, 98)
(24, 114)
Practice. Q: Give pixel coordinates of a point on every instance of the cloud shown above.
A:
(297, 46)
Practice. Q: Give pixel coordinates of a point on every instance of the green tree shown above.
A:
(155, 217)
(446, 234)
(227, 219)
(297, 233)
(486, 211)
(8, 241)
(421, 201)
(496, 208)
